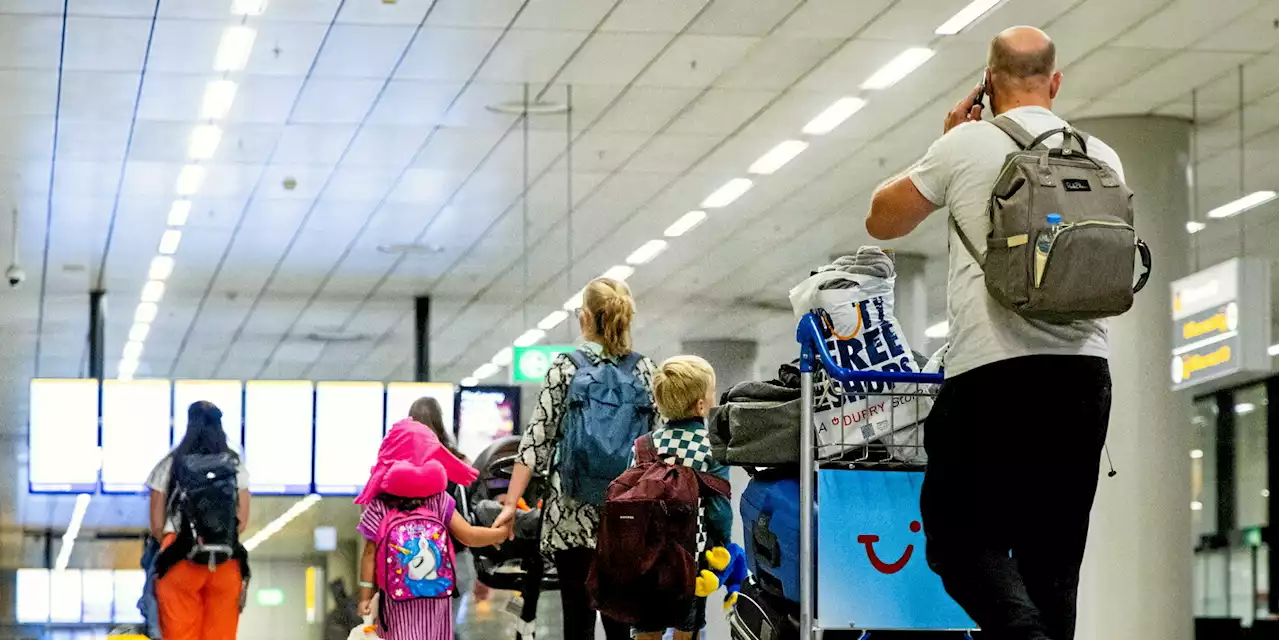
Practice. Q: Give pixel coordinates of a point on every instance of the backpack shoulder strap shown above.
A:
(645, 451)
(628, 364)
(964, 240)
(715, 484)
(579, 359)
(1020, 136)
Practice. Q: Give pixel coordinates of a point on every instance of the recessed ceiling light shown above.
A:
(139, 331)
(686, 223)
(485, 370)
(161, 268)
(234, 49)
(132, 350)
(1242, 204)
(503, 357)
(469, 382)
(618, 272)
(535, 108)
(146, 312)
(189, 180)
(1194, 226)
(553, 320)
(169, 242)
(179, 211)
(647, 251)
(411, 248)
(725, 195)
(152, 291)
(126, 369)
(966, 16)
(204, 141)
(778, 157)
(529, 338)
(834, 115)
(1196, 454)
(898, 68)
(574, 302)
(218, 98)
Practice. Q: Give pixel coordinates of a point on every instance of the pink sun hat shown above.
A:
(413, 464)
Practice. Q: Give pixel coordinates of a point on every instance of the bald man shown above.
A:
(1015, 437)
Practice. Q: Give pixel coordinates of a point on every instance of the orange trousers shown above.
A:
(198, 604)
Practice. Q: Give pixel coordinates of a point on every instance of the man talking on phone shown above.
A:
(1016, 435)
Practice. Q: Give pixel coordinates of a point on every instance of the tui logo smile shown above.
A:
(869, 541)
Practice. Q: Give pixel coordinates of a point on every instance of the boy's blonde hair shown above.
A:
(680, 383)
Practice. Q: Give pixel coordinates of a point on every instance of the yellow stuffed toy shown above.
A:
(727, 567)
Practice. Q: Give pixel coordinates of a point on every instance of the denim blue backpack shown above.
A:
(608, 409)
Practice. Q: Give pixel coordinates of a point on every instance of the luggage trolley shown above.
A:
(874, 575)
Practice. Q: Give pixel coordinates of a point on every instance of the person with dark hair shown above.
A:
(199, 508)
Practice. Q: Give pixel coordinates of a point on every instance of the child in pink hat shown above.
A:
(410, 523)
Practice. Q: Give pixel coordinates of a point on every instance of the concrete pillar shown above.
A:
(734, 362)
(1137, 571)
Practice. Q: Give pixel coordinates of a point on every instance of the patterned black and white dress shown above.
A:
(567, 524)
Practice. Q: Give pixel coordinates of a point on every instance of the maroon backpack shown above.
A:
(646, 555)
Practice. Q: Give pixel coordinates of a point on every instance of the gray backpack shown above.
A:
(1062, 240)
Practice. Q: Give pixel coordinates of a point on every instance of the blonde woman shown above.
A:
(570, 523)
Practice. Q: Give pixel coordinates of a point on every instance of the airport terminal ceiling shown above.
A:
(362, 162)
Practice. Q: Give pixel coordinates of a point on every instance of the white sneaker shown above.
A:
(525, 630)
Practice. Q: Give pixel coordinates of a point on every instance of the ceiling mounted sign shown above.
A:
(1221, 326)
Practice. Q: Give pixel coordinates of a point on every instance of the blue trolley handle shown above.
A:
(812, 343)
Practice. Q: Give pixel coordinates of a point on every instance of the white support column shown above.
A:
(1137, 571)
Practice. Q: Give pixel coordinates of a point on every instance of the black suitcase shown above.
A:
(760, 615)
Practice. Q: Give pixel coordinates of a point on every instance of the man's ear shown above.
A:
(1055, 83)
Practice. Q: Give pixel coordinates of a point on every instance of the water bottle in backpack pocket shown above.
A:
(206, 498)
(608, 408)
(414, 557)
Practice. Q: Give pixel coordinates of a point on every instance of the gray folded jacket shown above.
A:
(487, 511)
(757, 425)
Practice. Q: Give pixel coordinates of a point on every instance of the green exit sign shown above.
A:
(530, 364)
(270, 597)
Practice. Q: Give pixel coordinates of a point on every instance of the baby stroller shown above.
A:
(513, 565)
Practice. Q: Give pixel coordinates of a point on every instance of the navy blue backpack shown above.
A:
(608, 409)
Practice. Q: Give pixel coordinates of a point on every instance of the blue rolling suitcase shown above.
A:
(770, 511)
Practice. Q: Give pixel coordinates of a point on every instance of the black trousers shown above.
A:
(572, 568)
(1014, 454)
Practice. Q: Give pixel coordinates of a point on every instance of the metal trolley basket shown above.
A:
(856, 497)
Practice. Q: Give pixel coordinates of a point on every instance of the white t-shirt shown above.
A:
(958, 173)
(159, 481)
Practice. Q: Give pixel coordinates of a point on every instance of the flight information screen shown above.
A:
(486, 414)
(135, 432)
(228, 395)
(401, 395)
(348, 433)
(63, 435)
(278, 436)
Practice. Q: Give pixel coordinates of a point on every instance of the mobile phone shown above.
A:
(982, 89)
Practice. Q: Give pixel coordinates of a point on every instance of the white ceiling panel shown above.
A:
(778, 62)
(1254, 30)
(401, 12)
(29, 42)
(613, 58)
(1184, 22)
(721, 111)
(654, 16)
(333, 101)
(184, 46)
(412, 103)
(530, 56)
(105, 44)
(362, 51)
(474, 13)
(696, 60)
(262, 99)
(743, 17)
(98, 96)
(389, 147)
(285, 48)
(447, 53)
(313, 144)
(573, 15)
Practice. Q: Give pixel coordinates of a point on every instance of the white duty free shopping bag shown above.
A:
(366, 631)
(860, 333)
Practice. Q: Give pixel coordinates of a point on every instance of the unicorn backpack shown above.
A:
(414, 557)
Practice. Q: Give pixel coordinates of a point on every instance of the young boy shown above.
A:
(684, 389)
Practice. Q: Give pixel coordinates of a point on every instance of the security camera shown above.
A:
(15, 275)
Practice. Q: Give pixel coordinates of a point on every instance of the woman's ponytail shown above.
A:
(612, 309)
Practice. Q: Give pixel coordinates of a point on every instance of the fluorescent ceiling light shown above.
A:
(189, 179)
(248, 7)
(503, 357)
(1245, 408)
(618, 272)
(553, 320)
(1196, 505)
(725, 195)
(1242, 204)
(777, 157)
(898, 68)
(1194, 226)
(529, 338)
(169, 242)
(469, 382)
(179, 211)
(276, 525)
(126, 369)
(161, 268)
(1196, 454)
(152, 291)
(937, 330)
(73, 531)
(686, 222)
(834, 115)
(218, 98)
(132, 351)
(485, 370)
(146, 312)
(966, 17)
(647, 251)
(234, 49)
(573, 303)
(139, 331)
(204, 141)
(1273, 350)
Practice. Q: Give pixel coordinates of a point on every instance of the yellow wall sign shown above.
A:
(1220, 325)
